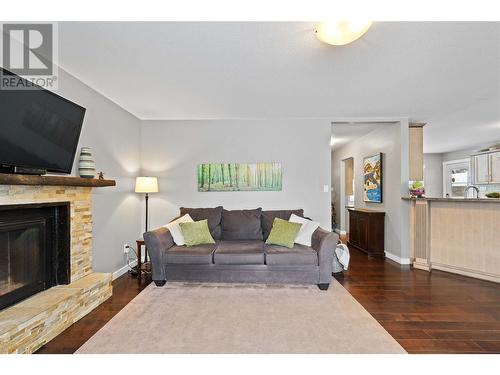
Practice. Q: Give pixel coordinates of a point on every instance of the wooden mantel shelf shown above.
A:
(21, 179)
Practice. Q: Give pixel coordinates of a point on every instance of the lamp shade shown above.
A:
(146, 185)
(341, 32)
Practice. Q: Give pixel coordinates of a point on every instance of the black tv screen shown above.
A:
(38, 129)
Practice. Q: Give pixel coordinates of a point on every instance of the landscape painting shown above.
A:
(239, 177)
(372, 169)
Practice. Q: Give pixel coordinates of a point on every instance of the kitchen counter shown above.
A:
(458, 235)
(470, 200)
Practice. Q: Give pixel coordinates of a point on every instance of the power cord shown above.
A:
(132, 269)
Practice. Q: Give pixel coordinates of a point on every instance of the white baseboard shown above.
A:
(397, 259)
(123, 270)
(341, 232)
(466, 272)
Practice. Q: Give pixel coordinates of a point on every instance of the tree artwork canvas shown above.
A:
(239, 177)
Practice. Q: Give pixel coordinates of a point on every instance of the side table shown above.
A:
(142, 267)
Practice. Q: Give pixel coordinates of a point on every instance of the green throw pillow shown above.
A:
(196, 233)
(283, 233)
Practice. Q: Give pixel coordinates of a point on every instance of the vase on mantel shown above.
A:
(86, 164)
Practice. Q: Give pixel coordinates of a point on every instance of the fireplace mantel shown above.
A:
(21, 179)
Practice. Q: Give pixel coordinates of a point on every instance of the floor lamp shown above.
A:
(146, 185)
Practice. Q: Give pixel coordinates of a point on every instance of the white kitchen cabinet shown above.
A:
(495, 167)
(481, 168)
(486, 168)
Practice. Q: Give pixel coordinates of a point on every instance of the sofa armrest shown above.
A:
(325, 242)
(157, 242)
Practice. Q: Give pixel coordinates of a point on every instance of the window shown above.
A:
(456, 177)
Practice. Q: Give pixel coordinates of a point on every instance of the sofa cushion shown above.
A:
(239, 252)
(306, 230)
(196, 233)
(283, 233)
(268, 217)
(241, 224)
(175, 229)
(213, 215)
(283, 256)
(199, 254)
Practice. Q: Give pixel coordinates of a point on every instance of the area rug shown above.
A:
(242, 318)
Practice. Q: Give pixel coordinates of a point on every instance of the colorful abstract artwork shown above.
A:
(372, 169)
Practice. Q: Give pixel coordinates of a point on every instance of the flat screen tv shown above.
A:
(39, 130)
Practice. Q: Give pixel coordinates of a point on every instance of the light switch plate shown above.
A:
(326, 189)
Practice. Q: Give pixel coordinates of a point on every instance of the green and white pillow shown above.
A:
(283, 233)
(175, 229)
(306, 231)
(196, 233)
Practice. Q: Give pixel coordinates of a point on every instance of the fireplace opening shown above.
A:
(34, 249)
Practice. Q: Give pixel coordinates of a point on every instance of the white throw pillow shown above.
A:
(306, 230)
(175, 229)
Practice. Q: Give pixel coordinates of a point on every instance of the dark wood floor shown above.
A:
(125, 288)
(425, 313)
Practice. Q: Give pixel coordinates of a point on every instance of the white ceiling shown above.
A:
(445, 74)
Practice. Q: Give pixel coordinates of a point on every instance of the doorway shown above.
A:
(346, 192)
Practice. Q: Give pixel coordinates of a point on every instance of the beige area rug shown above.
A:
(242, 318)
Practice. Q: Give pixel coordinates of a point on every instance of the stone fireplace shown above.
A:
(34, 249)
(46, 278)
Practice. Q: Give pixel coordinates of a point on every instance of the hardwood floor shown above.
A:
(125, 288)
(425, 313)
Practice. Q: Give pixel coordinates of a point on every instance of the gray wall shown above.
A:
(433, 175)
(114, 136)
(386, 139)
(460, 154)
(172, 150)
(467, 152)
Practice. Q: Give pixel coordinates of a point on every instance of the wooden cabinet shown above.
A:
(486, 168)
(366, 231)
(495, 167)
(481, 168)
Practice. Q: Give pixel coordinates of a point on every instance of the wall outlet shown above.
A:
(126, 248)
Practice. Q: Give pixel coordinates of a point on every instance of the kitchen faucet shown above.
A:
(471, 187)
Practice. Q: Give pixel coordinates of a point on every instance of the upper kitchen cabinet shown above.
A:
(486, 168)
(495, 167)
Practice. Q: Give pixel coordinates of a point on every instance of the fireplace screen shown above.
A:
(21, 258)
(34, 250)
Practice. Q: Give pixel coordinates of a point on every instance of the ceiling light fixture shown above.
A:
(339, 33)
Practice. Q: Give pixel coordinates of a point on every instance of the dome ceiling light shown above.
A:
(339, 33)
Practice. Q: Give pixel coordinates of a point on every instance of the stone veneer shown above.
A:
(80, 199)
(28, 325)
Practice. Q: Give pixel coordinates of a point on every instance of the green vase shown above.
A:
(86, 164)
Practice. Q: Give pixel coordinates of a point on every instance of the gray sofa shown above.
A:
(240, 253)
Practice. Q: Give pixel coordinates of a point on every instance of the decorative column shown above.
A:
(416, 151)
(420, 233)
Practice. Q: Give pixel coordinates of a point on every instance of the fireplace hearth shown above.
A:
(34, 249)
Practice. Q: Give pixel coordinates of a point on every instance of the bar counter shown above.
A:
(458, 235)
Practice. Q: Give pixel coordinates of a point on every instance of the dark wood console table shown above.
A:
(366, 231)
